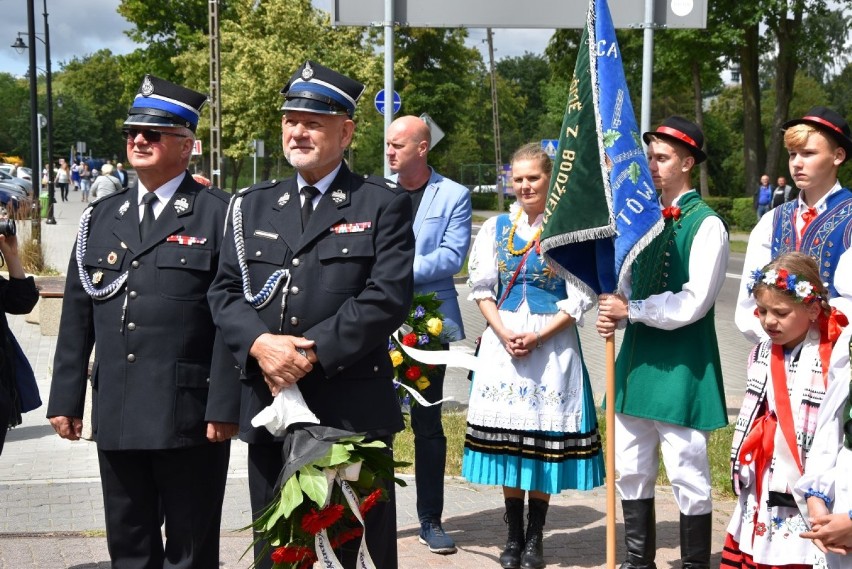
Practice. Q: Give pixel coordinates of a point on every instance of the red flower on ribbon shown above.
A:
(410, 340)
(370, 501)
(346, 537)
(293, 554)
(413, 373)
(313, 522)
(781, 280)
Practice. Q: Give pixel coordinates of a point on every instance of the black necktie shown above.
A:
(148, 215)
(309, 193)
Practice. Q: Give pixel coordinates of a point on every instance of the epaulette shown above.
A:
(259, 186)
(219, 193)
(383, 183)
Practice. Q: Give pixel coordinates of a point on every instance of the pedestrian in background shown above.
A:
(531, 423)
(782, 192)
(136, 292)
(63, 178)
(106, 184)
(763, 197)
(85, 181)
(442, 227)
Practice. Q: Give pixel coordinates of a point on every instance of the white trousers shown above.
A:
(638, 444)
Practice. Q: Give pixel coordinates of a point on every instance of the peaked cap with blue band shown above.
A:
(163, 103)
(317, 89)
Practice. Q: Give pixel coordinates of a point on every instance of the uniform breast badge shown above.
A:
(338, 196)
(124, 207)
(112, 257)
(181, 205)
(186, 240)
(97, 277)
(282, 201)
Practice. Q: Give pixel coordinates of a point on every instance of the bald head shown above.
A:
(408, 151)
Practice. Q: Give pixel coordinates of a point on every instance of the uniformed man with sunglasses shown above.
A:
(136, 293)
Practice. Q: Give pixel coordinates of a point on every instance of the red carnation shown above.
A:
(410, 340)
(292, 554)
(346, 537)
(413, 373)
(370, 501)
(781, 281)
(313, 522)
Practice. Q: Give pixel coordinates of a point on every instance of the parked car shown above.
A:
(14, 200)
(25, 184)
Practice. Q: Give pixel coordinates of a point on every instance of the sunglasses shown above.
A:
(149, 134)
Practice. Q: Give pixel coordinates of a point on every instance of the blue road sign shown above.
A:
(380, 102)
(549, 146)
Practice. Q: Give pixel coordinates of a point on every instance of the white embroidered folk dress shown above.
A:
(531, 420)
(772, 536)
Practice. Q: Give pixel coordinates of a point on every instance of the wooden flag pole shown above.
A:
(610, 452)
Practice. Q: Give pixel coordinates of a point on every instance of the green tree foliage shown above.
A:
(97, 104)
(14, 116)
(262, 45)
(528, 75)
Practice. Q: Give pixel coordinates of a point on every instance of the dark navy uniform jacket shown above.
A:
(154, 339)
(351, 287)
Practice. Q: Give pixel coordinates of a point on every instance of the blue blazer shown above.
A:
(441, 242)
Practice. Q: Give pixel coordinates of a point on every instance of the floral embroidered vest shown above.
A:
(826, 238)
(536, 282)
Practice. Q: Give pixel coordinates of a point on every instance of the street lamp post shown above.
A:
(20, 46)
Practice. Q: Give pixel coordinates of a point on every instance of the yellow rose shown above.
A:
(423, 382)
(434, 326)
(396, 358)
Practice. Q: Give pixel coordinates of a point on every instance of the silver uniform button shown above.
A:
(131, 358)
(376, 368)
(294, 290)
(339, 368)
(183, 261)
(135, 264)
(345, 251)
(294, 321)
(296, 262)
(257, 253)
(132, 294)
(131, 326)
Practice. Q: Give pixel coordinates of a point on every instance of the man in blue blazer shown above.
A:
(442, 217)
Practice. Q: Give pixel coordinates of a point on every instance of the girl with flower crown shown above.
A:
(531, 424)
(786, 384)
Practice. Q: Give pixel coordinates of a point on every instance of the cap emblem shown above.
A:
(147, 88)
(307, 72)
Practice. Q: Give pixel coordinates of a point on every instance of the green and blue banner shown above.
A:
(602, 208)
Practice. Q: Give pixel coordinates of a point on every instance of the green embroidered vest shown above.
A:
(674, 376)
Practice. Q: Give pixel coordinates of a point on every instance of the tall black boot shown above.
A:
(640, 534)
(514, 517)
(695, 537)
(533, 555)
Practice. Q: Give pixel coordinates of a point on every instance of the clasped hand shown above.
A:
(611, 309)
(518, 344)
(283, 359)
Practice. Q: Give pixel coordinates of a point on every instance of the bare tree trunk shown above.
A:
(754, 146)
(787, 32)
(699, 119)
(236, 166)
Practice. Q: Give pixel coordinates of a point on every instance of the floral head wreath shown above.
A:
(781, 279)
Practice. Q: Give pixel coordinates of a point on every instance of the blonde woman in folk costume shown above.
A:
(531, 424)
